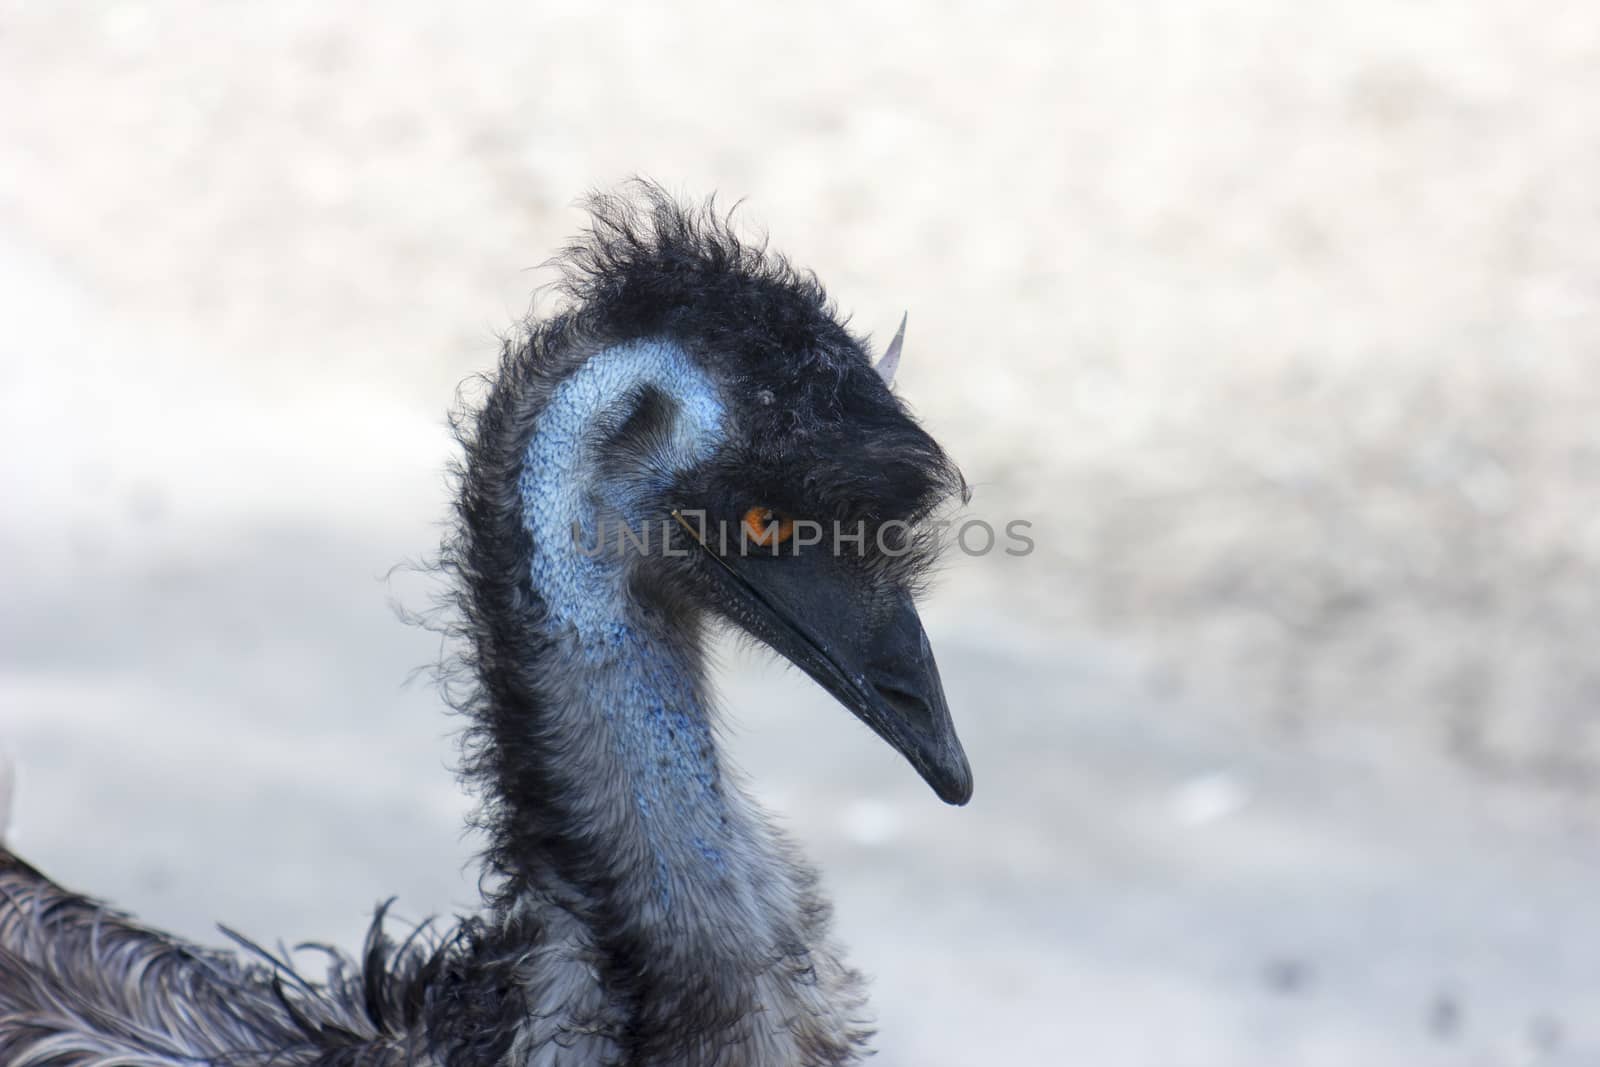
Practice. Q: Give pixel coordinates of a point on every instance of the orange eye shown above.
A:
(766, 527)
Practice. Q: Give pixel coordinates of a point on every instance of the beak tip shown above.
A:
(954, 784)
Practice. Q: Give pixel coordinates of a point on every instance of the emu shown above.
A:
(639, 908)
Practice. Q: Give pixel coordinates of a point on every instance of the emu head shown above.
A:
(733, 418)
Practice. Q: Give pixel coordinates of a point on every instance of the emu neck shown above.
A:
(674, 922)
(626, 694)
(636, 717)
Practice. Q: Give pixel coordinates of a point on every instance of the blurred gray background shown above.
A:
(1279, 321)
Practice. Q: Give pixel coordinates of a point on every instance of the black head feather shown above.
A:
(816, 429)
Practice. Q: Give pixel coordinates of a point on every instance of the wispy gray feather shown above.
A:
(86, 987)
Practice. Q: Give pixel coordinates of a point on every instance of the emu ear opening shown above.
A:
(890, 361)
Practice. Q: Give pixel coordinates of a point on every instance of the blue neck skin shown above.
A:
(619, 675)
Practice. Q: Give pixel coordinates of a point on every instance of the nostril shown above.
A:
(901, 698)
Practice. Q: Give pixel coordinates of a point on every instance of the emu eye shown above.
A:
(767, 527)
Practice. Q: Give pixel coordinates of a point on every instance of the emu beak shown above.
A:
(886, 677)
(873, 659)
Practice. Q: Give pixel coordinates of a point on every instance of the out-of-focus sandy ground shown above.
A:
(1279, 322)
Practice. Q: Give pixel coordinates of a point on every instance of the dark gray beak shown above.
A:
(870, 653)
